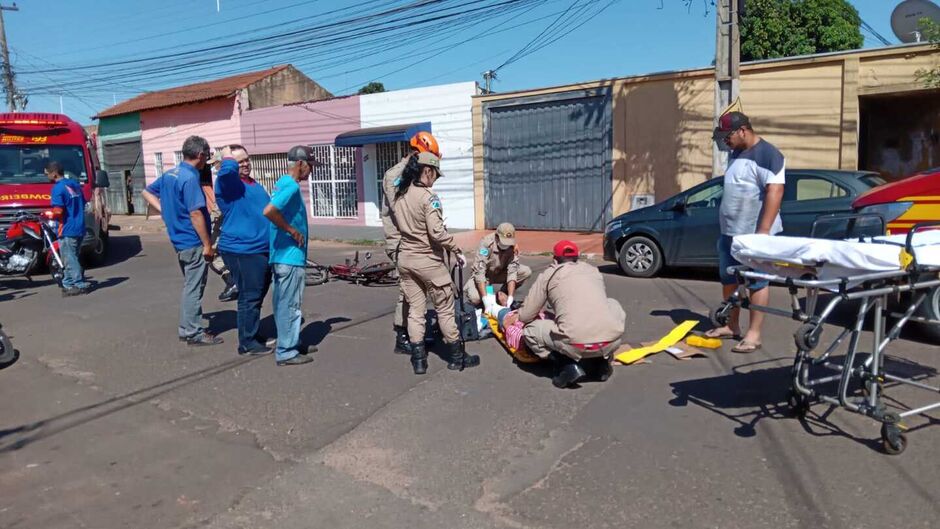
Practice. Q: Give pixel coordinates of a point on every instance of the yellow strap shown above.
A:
(906, 259)
(674, 337)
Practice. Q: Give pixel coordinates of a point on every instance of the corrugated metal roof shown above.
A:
(192, 93)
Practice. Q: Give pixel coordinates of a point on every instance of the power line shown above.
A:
(399, 26)
(560, 30)
(874, 32)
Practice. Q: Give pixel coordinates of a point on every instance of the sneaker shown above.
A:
(255, 350)
(72, 291)
(203, 339)
(229, 294)
(295, 361)
(268, 342)
(309, 350)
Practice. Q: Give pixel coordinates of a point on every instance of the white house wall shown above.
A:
(448, 109)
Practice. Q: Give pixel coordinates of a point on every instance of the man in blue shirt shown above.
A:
(68, 205)
(181, 202)
(288, 247)
(244, 242)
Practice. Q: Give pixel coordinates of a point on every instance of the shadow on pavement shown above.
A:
(122, 248)
(16, 438)
(12, 294)
(680, 315)
(692, 274)
(221, 321)
(747, 396)
(107, 283)
(317, 331)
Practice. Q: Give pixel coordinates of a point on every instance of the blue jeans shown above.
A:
(73, 276)
(195, 272)
(253, 277)
(288, 297)
(725, 259)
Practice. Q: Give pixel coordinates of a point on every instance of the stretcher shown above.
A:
(876, 273)
(519, 352)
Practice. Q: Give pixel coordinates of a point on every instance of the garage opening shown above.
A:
(547, 161)
(899, 134)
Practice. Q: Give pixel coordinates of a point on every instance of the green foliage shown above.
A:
(930, 31)
(785, 28)
(372, 88)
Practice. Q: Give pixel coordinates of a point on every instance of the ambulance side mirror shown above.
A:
(101, 178)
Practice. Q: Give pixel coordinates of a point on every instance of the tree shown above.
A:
(784, 28)
(930, 30)
(372, 88)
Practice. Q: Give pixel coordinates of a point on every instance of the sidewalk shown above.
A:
(530, 242)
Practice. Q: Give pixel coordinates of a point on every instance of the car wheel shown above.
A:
(640, 257)
(930, 309)
(98, 254)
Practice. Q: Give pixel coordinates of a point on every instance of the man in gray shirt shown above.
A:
(750, 203)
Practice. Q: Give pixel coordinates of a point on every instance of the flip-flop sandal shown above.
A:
(732, 336)
(745, 347)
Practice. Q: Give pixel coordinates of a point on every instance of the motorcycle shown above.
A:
(8, 355)
(30, 239)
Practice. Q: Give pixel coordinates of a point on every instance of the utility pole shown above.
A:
(727, 68)
(488, 77)
(7, 68)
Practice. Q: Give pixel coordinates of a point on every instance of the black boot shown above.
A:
(567, 371)
(459, 359)
(599, 368)
(402, 346)
(419, 358)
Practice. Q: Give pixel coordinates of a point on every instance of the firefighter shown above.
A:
(587, 327)
(418, 214)
(497, 262)
(420, 142)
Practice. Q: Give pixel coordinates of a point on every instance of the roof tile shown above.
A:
(190, 93)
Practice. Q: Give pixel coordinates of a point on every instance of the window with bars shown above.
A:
(177, 157)
(158, 163)
(268, 168)
(386, 156)
(333, 192)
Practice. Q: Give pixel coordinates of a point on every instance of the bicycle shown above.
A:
(371, 274)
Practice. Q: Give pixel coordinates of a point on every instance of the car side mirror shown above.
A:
(101, 178)
(678, 206)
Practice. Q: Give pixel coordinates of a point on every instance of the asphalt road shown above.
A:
(108, 421)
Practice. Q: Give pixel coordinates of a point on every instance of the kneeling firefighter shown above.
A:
(420, 142)
(587, 325)
(424, 239)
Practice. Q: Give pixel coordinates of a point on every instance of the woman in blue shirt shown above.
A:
(243, 242)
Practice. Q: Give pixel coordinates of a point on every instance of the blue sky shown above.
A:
(630, 37)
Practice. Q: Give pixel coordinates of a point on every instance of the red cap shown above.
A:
(566, 249)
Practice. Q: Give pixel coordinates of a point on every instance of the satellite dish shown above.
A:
(906, 17)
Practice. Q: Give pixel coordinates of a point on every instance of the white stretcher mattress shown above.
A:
(832, 259)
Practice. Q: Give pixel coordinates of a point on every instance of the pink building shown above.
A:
(211, 109)
(268, 133)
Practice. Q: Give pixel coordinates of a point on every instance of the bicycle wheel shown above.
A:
(316, 274)
(379, 273)
(8, 355)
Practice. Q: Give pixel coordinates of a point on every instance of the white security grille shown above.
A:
(158, 163)
(177, 157)
(268, 168)
(386, 156)
(333, 192)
